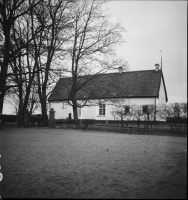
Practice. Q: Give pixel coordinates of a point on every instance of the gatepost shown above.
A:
(26, 118)
(52, 118)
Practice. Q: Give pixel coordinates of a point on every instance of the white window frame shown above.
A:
(102, 109)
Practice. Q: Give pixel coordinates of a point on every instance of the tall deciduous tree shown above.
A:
(54, 16)
(10, 11)
(23, 65)
(91, 48)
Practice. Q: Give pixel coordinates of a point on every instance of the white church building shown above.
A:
(140, 88)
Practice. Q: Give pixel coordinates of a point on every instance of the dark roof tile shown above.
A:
(112, 85)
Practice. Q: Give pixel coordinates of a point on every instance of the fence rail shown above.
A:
(126, 127)
(110, 125)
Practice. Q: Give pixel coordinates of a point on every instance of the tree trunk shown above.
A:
(75, 113)
(44, 112)
(20, 114)
(1, 98)
(3, 72)
(43, 105)
(1, 109)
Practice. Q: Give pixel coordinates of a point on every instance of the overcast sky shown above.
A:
(153, 26)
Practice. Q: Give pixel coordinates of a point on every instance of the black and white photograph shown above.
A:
(93, 99)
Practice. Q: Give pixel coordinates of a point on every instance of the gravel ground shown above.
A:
(61, 163)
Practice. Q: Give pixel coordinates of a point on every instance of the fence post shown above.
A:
(26, 118)
(52, 118)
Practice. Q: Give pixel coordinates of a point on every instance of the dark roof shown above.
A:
(133, 84)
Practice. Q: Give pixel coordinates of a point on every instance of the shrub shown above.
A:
(9, 118)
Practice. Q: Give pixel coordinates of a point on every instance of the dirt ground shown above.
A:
(61, 163)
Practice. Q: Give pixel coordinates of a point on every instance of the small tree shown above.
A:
(120, 112)
(137, 113)
(174, 113)
(13, 100)
(184, 115)
(151, 115)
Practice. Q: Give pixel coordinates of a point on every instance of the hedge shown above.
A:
(9, 118)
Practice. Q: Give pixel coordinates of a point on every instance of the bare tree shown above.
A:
(184, 116)
(36, 40)
(150, 116)
(10, 11)
(175, 114)
(91, 48)
(132, 112)
(122, 110)
(13, 100)
(137, 114)
(34, 101)
(23, 66)
(55, 20)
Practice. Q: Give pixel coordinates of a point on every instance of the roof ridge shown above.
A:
(115, 73)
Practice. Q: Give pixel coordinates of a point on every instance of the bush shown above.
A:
(71, 121)
(176, 120)
(35, 119)
(9, 119)
(64, 121)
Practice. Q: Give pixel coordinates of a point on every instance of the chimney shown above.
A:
(156, 67)
(120, 70)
